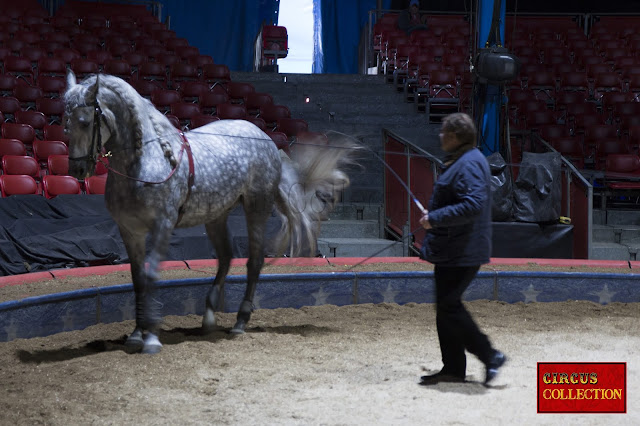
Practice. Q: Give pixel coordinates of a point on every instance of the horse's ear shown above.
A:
(71, 79)
(92, 92)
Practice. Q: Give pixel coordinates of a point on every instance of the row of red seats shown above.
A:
(51, 186)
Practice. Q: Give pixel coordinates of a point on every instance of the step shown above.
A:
(340, 228)
(356, 211)
(609, 251)
(604, 234)
(359, 247)
(623, 217)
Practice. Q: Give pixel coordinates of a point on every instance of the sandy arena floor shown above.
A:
(330, 365)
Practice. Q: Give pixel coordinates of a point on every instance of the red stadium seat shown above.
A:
(255, 100)
(292, 126)
(21, 165)
(58, 164)
(163, 98)
(55, 185)
(12, 147)
(55, 132)
(257, 121)
(8, 106)
(216, 74)
(238, 91)
(52, 108)
(23, 132)
(271, 113)
(52, 86)
(280, 139)
(43, 149)
(18, 185)
(228, 110)
(35, 119)
(95, 184)
(192, 90)
(202, 120)
(210, 100)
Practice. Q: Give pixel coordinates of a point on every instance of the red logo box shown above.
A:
(582, 387)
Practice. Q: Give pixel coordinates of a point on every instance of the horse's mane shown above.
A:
(122, 95)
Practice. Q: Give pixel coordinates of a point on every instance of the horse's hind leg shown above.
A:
(219, 236)
(257, 214)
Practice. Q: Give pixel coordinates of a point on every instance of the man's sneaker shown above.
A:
(497, 360)
(440, 376)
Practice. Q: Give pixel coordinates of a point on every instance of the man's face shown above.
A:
(448, 141)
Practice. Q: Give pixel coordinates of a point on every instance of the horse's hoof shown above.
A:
(238, 328)
(152, 345)
(134, 342)
(208, 322)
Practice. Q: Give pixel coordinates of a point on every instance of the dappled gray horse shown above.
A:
(160, 178)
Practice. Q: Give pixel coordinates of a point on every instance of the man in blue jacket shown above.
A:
(458, 241)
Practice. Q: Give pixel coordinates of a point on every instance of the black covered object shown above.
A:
(501, 189)
(37, 234)
(538, 193)
(531, 240)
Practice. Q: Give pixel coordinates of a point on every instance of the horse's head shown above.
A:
(86, 125)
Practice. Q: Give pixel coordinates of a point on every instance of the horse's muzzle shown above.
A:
(80, 169)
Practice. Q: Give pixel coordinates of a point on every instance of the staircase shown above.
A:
(616, 234)
(358, 106)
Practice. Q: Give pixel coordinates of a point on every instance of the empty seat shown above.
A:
(255, 100)
(95, 184)
(12, 147)
(43, 149)
(20, 165)
(259, 122)
(271, 113)
(210, 100)
(280, 139)
(8, 82)
(55, 185)
(185, 111)
(180, 72)
(238, 91)
(18, 185)
(8, 106)
(52, 86)
(51, 67)
(152, 71)
(119, 68)
(146, 87)
(216, 74)
(58, 164)
(23, 132)
(27, 95)
(292, 126)
(228, 110)
(35, 119)
(19, 67)
(52, 108)
(55, 132)
(192, 90)
(202, 120)
(84, 67)
(571, 148)
(163, 98)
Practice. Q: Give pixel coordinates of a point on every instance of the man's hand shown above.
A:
(424, 220)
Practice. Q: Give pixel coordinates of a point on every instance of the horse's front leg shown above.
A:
(135, 246)
(144, 272)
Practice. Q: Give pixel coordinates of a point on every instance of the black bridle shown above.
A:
(96, 137)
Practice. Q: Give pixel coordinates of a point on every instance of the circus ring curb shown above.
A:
(75, 310)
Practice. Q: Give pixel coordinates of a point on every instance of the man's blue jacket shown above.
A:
(460, 214)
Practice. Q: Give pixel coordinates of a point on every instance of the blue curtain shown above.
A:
(338, 26)
(225, 30)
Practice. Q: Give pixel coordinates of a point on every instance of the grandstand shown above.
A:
(578, 93)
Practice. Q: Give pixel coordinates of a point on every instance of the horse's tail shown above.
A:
(311, 181)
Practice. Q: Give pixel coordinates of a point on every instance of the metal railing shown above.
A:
(419, 169)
